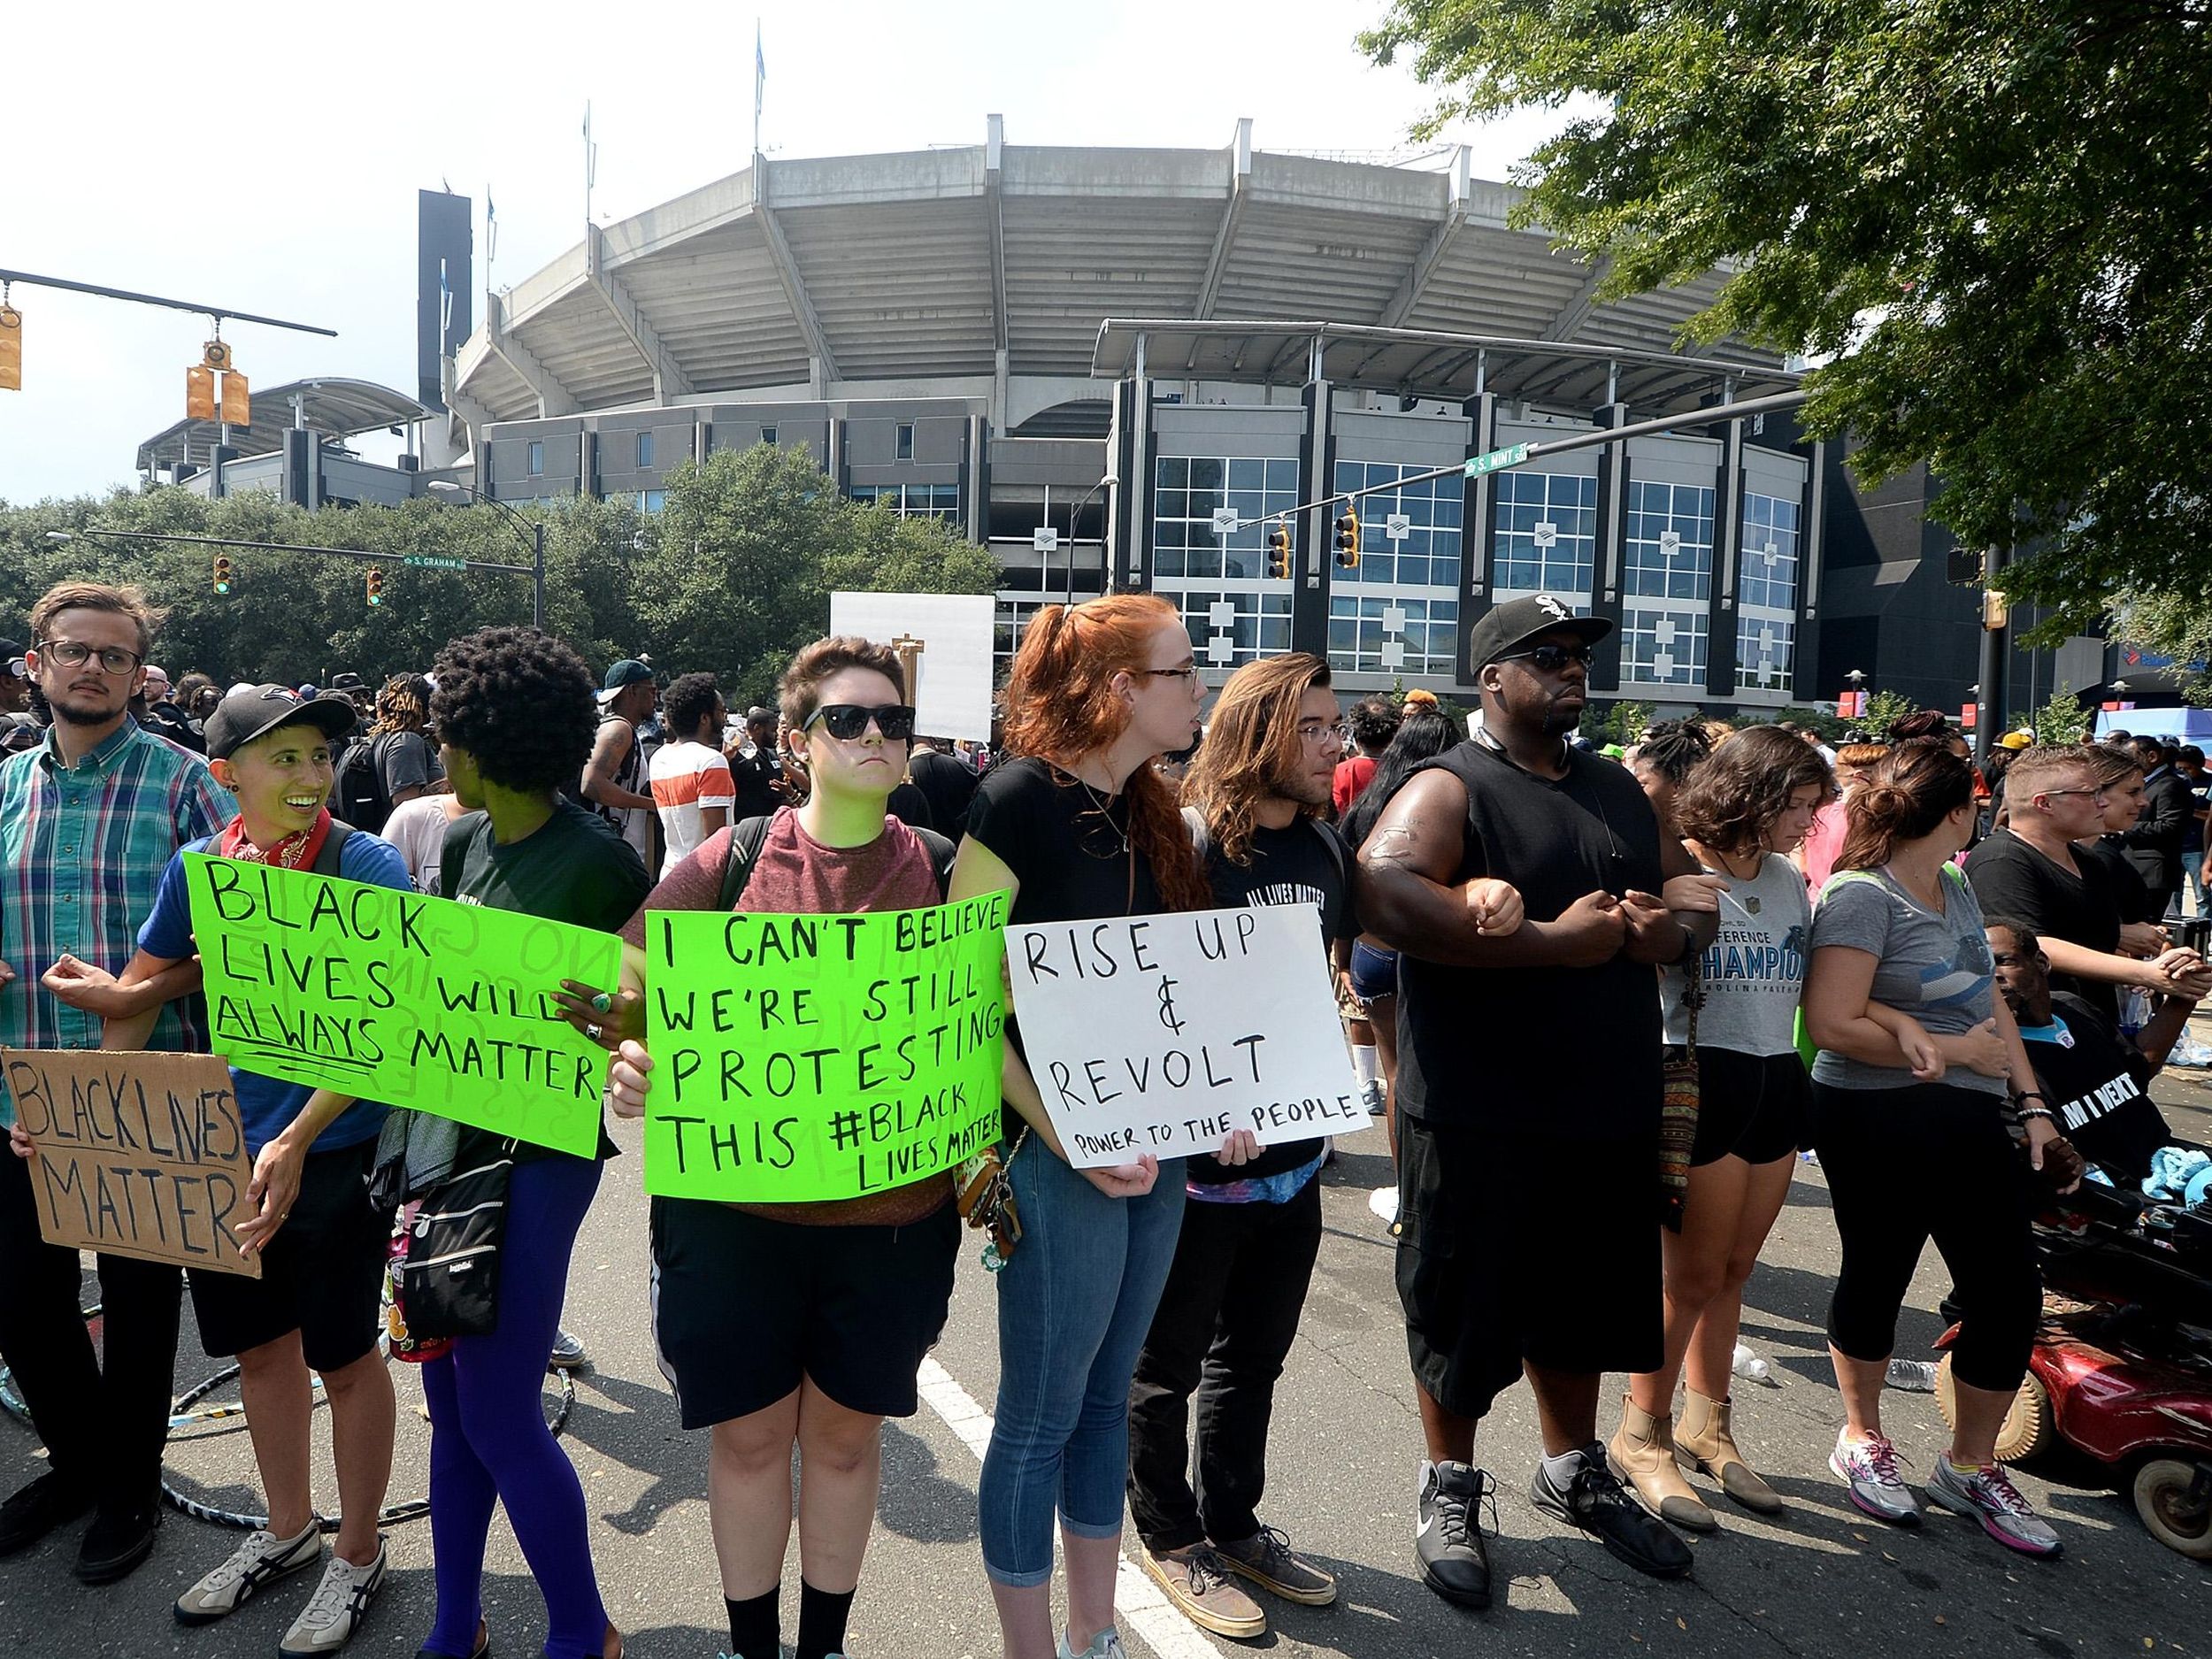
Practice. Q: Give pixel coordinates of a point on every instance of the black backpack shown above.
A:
(749, 837)
(359, 797)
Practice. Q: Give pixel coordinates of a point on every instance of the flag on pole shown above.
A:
(491, 228)
(760, 81)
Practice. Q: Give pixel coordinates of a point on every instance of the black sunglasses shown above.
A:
(846, 721)
(1551, 659)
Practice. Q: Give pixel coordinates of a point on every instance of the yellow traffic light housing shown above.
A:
(199, 393)
(10, 349)
(222, 573)
(376, 584)
(1347, 537)
(1279, 551)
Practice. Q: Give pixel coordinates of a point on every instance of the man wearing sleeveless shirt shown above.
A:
(1528, 1219)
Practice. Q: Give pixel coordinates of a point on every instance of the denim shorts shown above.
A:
(1374, 971)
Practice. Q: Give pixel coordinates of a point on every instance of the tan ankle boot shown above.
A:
(1642, 1453)
(1705, 1444)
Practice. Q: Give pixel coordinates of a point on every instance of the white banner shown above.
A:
(948, 638)
(1161, 1034)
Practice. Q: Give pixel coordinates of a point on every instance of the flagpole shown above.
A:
(760, 79)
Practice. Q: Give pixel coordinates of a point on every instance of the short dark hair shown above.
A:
(2023, 936)
(1733, 795)
(800, 689)
(1374, 722)
(688, 700)
(127, 602)
(2151, 750)
(521, 703)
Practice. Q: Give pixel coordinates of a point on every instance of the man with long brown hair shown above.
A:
(1250, 1232)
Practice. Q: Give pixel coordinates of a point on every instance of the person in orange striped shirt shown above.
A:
(691, 782)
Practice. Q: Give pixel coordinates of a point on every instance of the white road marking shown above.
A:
(1138, 1600)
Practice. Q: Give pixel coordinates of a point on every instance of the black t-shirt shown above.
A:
(574, 868)
(910, 806)
(2130, 890)
(2095, 1085)
(949, 785)
(755, 776)
(1304, 862)
(1570, 1052)
(1065, 843)
(2012, 881)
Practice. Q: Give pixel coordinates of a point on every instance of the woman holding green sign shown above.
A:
(516, 711)
(1079, 826)
(799, 1324)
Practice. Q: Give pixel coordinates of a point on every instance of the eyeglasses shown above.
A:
(846, 721)
(1551, 659)
(1189, 672)
(1314, 730)
(73, 654)
(2053, 795)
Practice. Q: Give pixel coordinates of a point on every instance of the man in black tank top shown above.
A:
(1529, 1086)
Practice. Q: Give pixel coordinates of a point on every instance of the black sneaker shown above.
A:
(37, 1508)
(116, 1542)
(1598, 1504)
(1447, 1547)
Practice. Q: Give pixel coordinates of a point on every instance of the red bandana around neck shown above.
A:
(296, 851)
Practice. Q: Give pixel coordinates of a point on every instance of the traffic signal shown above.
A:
(222, 573)
(1347, 537)
(1279, 551)
(10, 349)
(199, 393)
(236, 407)
(376, 584)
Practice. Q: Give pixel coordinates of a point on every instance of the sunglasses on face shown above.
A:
(846, 721)
(1551, 659)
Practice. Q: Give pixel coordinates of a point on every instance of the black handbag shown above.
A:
(447, 1284)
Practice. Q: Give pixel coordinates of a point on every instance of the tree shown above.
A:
(2061, 720)
(1883, 709)
(1989, 216)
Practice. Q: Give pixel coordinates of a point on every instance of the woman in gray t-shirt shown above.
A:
(1909, 1114)
(1739, 811)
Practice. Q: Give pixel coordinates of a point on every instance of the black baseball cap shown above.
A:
(1505, 628)
(256, 711)
(628, 672)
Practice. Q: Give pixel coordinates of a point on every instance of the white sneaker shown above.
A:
(1988, 1495)
(1105, 1644)
(252, 1568)
(336, 1610)
(1868, 1469)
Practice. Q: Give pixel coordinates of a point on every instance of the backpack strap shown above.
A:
(942, 852)
(746, 841)
(331, 853)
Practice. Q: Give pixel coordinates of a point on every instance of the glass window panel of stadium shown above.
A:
(1668, 580)
(912, 501)
(1766, 593)
(1397, 611)
(1547, 535)
(1220, 583)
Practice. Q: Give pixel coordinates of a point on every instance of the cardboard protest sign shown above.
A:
(1162, 1033)
(801, 1058)
(139, 1155)
(396, 997)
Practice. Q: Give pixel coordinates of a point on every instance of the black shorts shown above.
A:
(744, 1307)
(322, 1275)
(1514, 1247)
(1757, 1107)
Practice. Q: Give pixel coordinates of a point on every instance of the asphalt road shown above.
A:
(1823, 1580)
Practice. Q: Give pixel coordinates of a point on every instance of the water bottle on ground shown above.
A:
(1750, 1367)
(1913, 1376)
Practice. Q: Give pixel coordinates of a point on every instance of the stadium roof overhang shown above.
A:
(1419, 363)
(335, 408)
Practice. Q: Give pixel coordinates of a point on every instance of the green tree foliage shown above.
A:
(1621, 723)
(1883, 709)
(732, 578)
(2061, 720)
(1990, 213)
(2175, 624)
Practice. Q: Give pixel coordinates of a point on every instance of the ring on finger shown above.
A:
(592, 1032)
(602, 1003)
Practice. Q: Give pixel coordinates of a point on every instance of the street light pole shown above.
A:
(535, 540)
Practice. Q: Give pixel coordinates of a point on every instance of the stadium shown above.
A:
(1107, 363)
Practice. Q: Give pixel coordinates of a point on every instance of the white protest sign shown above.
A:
(1161, 1034)
(949, 637)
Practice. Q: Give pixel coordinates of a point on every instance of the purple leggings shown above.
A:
(488, 1442)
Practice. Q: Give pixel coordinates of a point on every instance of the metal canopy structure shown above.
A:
(1428, 363)
(932, 270)
(335, 408)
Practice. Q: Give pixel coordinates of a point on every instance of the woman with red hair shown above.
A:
(1078, 825)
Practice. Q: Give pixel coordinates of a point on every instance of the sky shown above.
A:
(266, 158)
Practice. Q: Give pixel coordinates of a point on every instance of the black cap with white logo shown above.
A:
(1507, 628)
(256, 711)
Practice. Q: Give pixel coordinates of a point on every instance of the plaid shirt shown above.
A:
(82, 848)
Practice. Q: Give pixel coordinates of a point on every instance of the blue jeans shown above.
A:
(1074, 1305)
(2193, 872)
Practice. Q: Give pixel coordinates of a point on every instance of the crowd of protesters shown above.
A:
(1959, 954)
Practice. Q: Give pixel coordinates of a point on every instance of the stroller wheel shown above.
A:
(2028, 1424)
(2174, 1497)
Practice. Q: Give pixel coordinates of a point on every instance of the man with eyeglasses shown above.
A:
(1529, 1086)
(88, 821)
(2029, 869)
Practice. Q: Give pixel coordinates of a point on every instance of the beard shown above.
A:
(1559, 722)
(78, 715)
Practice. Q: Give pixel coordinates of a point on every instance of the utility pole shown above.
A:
(1989, 695)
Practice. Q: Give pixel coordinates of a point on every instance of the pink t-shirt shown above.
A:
(1823, 842)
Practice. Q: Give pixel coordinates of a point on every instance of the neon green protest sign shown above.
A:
(396, 996)
(800, 1057)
